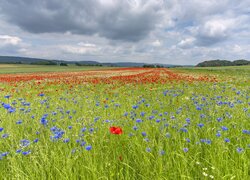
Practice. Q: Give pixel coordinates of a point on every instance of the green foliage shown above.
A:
(82, 64)
(152, 66)
(214, 63)
(63, 64)
(44, 63)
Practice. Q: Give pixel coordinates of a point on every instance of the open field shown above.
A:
(125, 123)
(26, 68)
(227, 71)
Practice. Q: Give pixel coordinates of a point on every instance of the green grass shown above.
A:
(80, 105)
(229, 71)
(25, 68)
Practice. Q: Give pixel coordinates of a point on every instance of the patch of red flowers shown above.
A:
(115, 130)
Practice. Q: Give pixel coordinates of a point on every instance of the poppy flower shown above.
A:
(115, 130)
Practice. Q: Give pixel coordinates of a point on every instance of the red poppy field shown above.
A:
(125, 123)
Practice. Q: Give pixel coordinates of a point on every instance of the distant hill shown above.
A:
(214, 63)
(38, 61)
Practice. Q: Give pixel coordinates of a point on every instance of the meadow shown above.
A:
(27, 68)
(125, 123)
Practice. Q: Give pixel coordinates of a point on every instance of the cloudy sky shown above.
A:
(153, 31)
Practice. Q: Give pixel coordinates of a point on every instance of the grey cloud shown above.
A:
(119, 20)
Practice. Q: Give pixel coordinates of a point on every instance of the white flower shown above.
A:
(205, 174)
(211, 176)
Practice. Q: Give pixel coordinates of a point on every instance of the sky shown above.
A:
(183, 32)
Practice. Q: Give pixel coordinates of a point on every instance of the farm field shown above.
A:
(26, 68)
(125, 123)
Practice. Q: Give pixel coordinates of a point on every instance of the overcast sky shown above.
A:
(153, 31)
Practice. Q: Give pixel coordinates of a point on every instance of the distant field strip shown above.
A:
(13, 68)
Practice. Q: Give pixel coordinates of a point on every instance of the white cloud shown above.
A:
(187, 43)
(9, 40)
(80, 48)
(156, 43)
(172, 32)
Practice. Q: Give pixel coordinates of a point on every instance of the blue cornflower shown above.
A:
(208, 141)
(1, 129)
(219, 119)
(185, 150)
(184, 130)
(4, 153)
(11, 110)
(54, 128)
(106, 106)
(18, 151)
(7, 96)
(148, 149)
(36, 140)
(135, 128)
(162, 152)
(135, 106)
(88, 148)
(91, 130)
(5, 135)
(143, 113)
(227, 140)
(25, 142)
(66, 140)
(168, 135)
(188, 140)
(151, 117)
(202, 115)
(138, 120)
(19, 122)
(73, 151)
(239, 150)
(96, 119)
(43, 121)
(188, 120)
(166, 125)
(84, 129)
(200, 125)
(218, 134)
(7, 106)
(198, 108)
(245, 131)
(83, 143)
(157, 120)
(26, 152)
(224, 128)
(69, 127)
(144, 134)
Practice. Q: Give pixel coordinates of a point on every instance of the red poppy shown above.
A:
(115, 130)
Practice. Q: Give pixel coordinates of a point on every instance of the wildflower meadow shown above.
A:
(125, 123)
